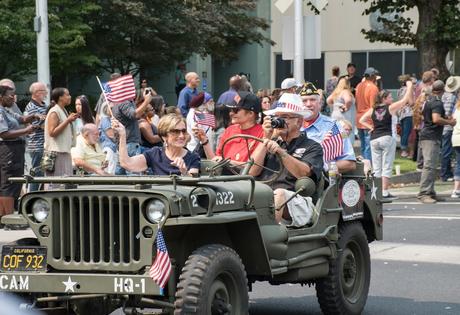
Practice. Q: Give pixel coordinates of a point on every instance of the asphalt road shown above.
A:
(415, 269)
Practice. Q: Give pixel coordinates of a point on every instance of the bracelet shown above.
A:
(206, 142)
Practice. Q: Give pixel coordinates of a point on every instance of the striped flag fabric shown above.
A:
(205, 119)
(332, 144)
(121, 89)
(161, 267)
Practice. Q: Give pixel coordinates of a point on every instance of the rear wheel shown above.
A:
(213, 281)
(344, 291)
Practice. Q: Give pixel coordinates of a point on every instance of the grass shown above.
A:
(406, 165)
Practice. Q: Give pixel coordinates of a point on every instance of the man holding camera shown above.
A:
(319, 127)
(127, 113)
(299, 155)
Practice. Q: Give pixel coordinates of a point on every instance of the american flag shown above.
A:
(205, 119)
(121, 89)
(161, 267)
(332, 144)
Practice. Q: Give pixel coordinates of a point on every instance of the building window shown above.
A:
(313, 70)
(390, 64)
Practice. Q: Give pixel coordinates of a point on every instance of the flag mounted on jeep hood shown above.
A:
(161, 267)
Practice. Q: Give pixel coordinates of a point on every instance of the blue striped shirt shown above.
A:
(36, 140)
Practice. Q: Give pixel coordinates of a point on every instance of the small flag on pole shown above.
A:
(205, 119)
(332, 144)
(161, 267)
(120, 90)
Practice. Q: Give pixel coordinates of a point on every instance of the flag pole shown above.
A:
(105, 96)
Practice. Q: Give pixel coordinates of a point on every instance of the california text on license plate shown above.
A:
(23, 258)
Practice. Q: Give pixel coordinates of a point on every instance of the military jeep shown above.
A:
(95, 243)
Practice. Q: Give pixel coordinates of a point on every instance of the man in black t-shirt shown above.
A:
(354, 79)
(300, 157)
(430, 141)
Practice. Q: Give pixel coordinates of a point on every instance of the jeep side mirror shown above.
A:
(305, 186)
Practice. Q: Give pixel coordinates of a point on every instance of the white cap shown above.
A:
(289, 83)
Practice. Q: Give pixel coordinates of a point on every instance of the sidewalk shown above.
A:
(443, 189)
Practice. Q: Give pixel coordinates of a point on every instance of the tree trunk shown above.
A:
(431, 53)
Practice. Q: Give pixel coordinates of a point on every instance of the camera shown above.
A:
(278, 122)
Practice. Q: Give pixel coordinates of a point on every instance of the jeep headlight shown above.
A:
(40, 210)
(155, 210)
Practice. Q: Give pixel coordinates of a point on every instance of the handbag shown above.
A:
(48, 161)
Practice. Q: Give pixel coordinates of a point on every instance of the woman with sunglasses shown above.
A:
(172, 158)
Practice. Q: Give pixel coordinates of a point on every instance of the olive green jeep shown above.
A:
(95, 243)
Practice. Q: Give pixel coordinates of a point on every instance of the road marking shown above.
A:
(422, 204)
(427, 217)
(415, 253)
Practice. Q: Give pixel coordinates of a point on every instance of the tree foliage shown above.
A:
(17, 38)
(437, 32)
(87, 36)
(130, 35)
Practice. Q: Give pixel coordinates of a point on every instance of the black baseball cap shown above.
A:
(246, 100)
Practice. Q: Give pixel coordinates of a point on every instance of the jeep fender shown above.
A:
(239, 230)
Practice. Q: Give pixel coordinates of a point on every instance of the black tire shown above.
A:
(344, 291)
(213, 281)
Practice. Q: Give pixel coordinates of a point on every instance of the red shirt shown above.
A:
(237, 149)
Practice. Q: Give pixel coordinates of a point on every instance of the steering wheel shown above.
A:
(247, 166)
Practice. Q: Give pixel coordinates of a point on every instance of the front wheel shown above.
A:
(344, 291)
(213, 281)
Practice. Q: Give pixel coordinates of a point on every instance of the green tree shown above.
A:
(438, 29)
(134, 35)
(69, 28)
(17, 39)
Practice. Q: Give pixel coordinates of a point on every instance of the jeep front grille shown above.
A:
(95, 232)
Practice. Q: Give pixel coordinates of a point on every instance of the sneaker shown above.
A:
(427, 199)
(389, 197)
(418, 169)
(455, 194)
(404, 154)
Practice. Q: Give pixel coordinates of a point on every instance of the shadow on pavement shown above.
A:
(375, 305)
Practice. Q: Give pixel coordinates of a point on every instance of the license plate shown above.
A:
(23, 258)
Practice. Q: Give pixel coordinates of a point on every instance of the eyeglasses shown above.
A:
(176, 132)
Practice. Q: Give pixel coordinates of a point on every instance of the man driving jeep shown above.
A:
(300, 157)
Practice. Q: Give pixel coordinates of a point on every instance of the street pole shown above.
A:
(43, 55)
(298, 42)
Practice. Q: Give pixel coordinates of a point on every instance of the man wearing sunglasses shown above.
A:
(300, 157)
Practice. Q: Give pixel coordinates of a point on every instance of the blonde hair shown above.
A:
(169, 122)
(342, 84)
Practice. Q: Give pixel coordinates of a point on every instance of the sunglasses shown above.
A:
(176, 132)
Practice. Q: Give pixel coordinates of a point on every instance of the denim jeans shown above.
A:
(430, 151)
(365, 139)
(457, 164)
(446, 156)
(35, 158)
(133, 149)
(406, 128)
